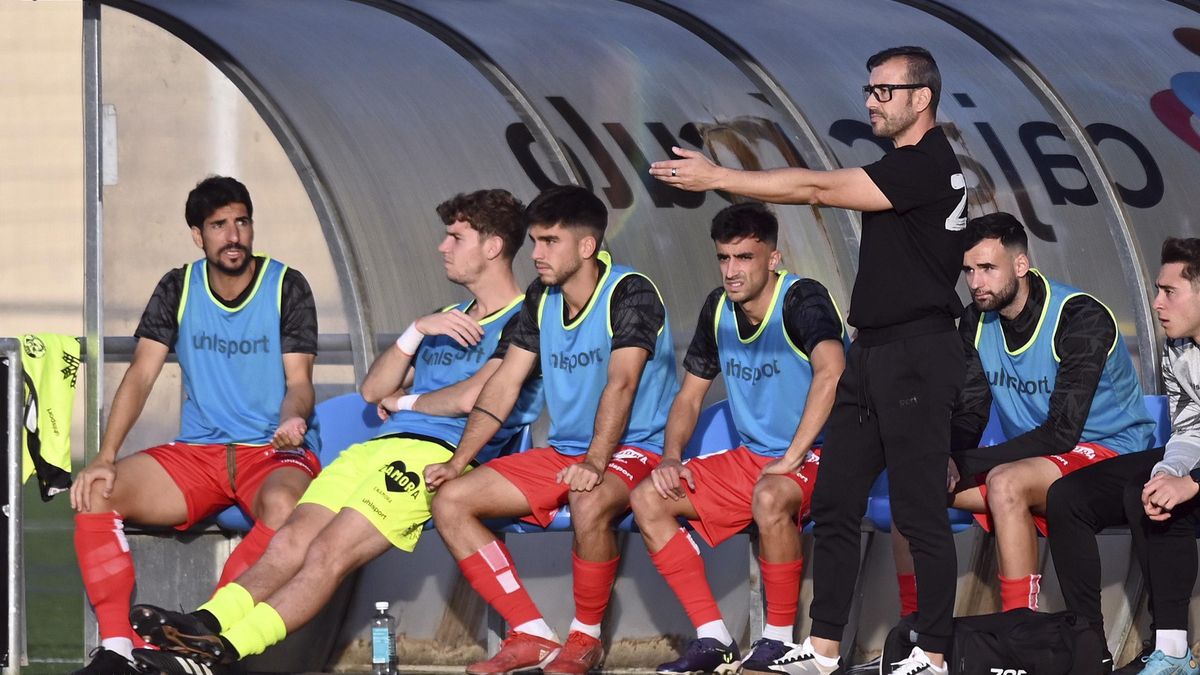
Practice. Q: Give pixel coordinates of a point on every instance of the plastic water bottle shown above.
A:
(383, 641)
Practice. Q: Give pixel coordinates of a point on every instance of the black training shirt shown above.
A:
(1082, 339)
(297, 323)
(910, 256)
(809, 317)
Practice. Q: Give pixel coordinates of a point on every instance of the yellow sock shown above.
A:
(260, 629)
(229, 604)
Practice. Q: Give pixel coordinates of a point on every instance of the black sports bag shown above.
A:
(1018, 642)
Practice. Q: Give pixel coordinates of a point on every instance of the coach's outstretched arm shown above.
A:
(843, 188)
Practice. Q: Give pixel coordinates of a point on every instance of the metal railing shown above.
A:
(333, 349)
(10, 349)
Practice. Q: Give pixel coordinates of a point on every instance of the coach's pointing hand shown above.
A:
(695, 172)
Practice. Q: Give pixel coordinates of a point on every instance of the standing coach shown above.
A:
(905, 369)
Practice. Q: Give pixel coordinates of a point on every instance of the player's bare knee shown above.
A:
(326, 555)
(288, 543)
(770, 505)
(274, 505)
(1005, 490)
(450, 505)
(647, 504)
(593, 510)
(101, 504)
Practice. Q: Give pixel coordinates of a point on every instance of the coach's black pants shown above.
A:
(892, 409)
(1109, 494)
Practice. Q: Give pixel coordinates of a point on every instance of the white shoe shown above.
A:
(802, 660)
(916, 663)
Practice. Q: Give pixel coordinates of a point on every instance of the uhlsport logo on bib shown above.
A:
(569, 361)
(748, 372)
(447, 356)
(203, 341)
(1001, 379)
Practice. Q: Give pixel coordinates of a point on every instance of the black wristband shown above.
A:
(1194, 474)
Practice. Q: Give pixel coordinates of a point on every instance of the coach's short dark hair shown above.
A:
(572, 207)
(922, 69)
(1186, 251)
(213, 193)
(749, 219)
(999, 225)
(491, 213)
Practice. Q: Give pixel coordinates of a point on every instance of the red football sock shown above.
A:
(680, 564)
(247, 553)
(593, 587)
(107, 570)
(908, 593)
(491, 572)
(781, 588)
(1021, 592)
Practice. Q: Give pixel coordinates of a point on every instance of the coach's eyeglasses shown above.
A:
(883, 92)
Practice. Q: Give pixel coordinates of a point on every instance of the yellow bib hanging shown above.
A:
(51, 364)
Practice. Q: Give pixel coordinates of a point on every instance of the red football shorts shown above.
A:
(725, 490)
(1084, 454)
(213, 478)
(535, 473)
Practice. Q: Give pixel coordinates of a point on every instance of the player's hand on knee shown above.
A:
(289, 434)
(454, 324)
(581, 477)
(100, 470)
(781, 466)
(438, 474)
(667, 476)
(952, 476)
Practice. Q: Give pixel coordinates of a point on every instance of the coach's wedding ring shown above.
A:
(674, 172)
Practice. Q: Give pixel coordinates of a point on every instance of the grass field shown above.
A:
(53, 590)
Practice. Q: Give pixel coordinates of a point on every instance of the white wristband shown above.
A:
(410, 339)
(407, 402)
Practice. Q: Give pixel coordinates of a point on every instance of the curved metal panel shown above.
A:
(814, 153)
(278, 122)
(992, 117)
(1132, 111)
(384, 141)
(1104, 193)
(563, 169)
(619, 86)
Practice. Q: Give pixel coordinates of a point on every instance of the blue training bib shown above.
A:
(1022, 381)
(574, 359)
(232, 361)
(767, 377)
(441, 362)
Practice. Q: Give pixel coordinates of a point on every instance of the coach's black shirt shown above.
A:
(910, 256)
